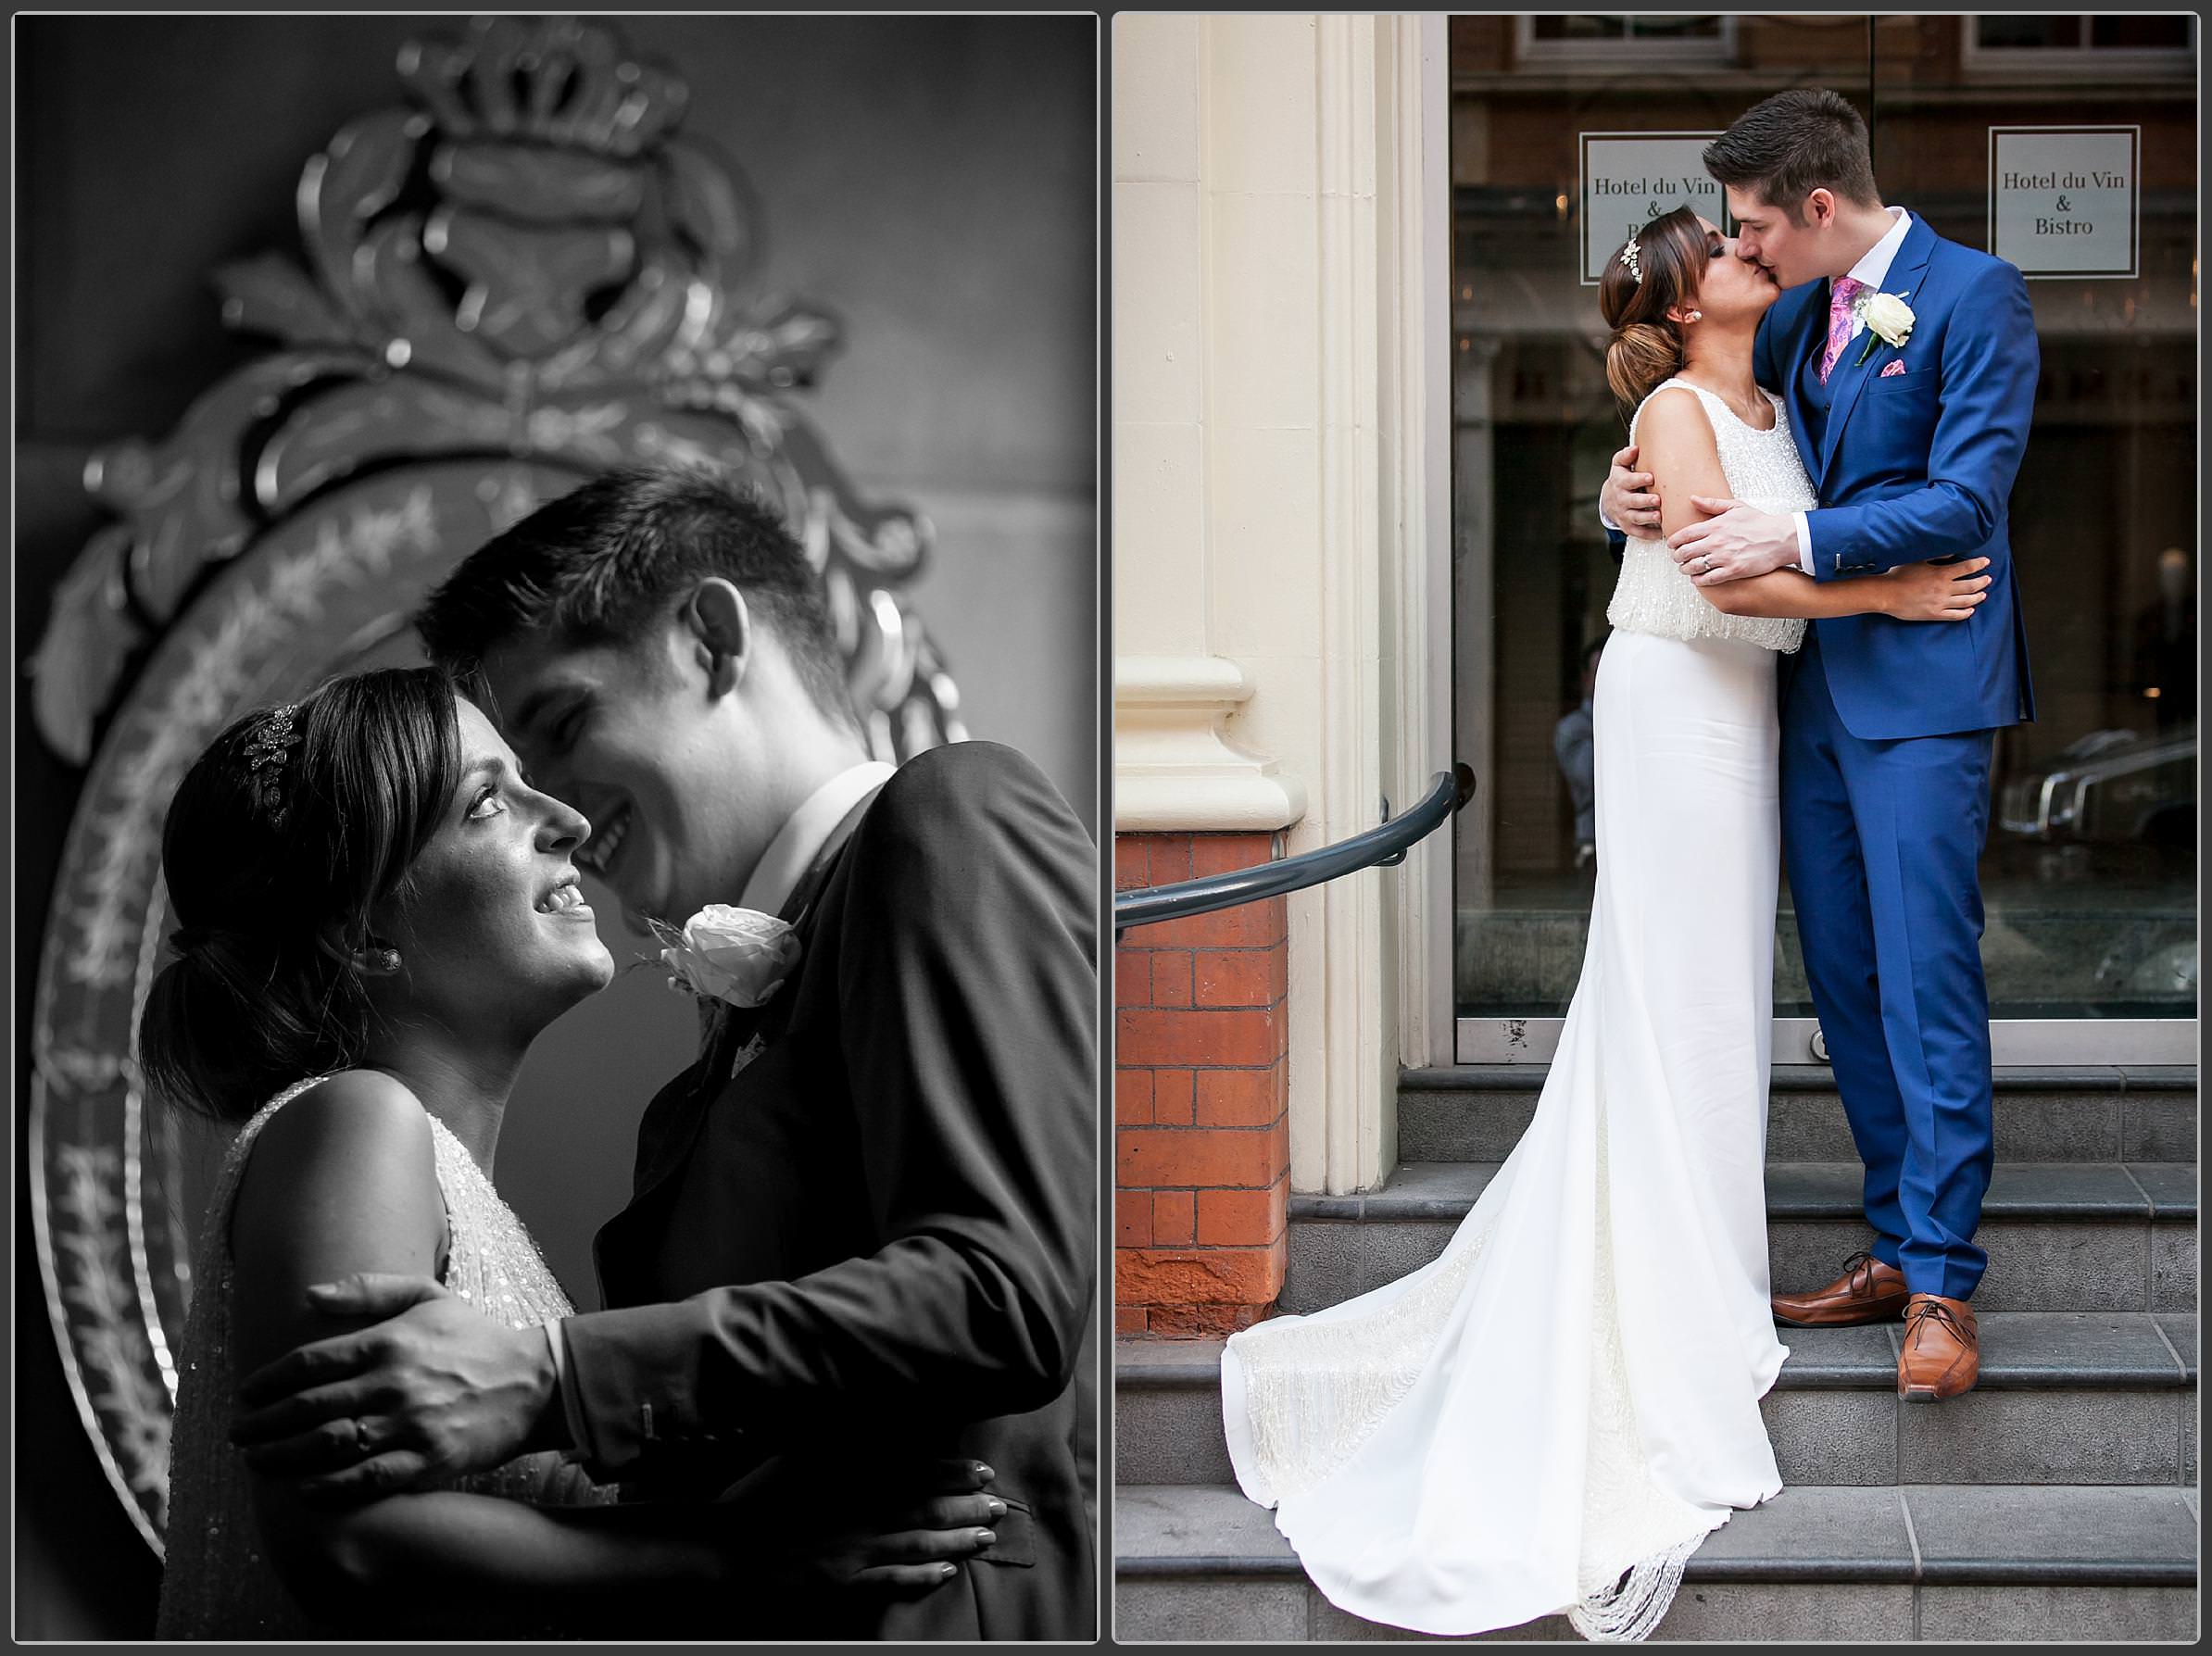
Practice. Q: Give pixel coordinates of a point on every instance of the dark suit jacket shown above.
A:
(876, 1245)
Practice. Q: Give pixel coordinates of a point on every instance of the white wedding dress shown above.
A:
(1571, 1391)
(217, 1581)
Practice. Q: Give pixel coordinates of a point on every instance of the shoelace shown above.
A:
(1852, 1267)
(1937, 1310)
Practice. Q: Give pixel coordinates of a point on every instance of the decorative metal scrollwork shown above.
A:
(524, 277)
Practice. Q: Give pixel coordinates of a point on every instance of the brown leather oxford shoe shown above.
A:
(1868, 1291)
(1942, 1349)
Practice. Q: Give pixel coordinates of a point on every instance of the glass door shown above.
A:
(1559, 123)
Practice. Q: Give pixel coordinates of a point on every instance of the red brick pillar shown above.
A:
(1201, 1097)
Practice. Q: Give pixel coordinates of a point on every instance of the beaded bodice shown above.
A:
(1763, 470)
(217, 1581)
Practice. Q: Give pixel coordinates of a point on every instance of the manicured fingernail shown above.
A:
(947, 1571)
(998, 1507)
(983, 1537)
(984, 1473)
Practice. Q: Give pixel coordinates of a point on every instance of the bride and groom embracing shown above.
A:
(845, 1379)
(1817, 633)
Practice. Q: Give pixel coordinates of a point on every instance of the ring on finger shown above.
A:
(360, 1437)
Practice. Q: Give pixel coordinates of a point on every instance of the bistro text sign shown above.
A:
(2064, 200)
(1629, 179)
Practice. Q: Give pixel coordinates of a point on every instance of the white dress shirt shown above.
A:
(775, 877)
(801, 839)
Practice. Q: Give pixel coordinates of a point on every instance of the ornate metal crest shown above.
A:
(524, 277)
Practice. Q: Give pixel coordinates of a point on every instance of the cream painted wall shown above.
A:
(1265, 517)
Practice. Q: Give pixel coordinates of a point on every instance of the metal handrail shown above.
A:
(1381, 847)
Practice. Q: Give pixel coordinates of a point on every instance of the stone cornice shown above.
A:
(1175, 768)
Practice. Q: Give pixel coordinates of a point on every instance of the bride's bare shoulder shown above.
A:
(1673, 421)
(1673, 410)
(343, 1175)
(355, 1112)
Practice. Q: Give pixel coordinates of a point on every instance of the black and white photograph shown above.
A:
(558, 820)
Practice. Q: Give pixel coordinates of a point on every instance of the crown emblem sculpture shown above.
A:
(523, 276)
(530, 259)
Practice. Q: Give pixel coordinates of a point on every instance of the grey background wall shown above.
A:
(931, 180)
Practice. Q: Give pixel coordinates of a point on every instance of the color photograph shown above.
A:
(1656, 816)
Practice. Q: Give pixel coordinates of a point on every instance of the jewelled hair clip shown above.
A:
(1629, 258)
(265, 751)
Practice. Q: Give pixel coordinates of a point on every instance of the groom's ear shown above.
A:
(1821, 208)
(721, 627)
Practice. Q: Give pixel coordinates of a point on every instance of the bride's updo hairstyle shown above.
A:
(1646, 348)
(282, 836)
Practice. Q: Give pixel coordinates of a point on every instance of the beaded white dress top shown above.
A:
(217, 1583)
(1763, 469)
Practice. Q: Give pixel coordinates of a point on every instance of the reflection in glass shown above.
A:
(2090, 870)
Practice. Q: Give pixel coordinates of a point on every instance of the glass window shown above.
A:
(2089, 871)
(1618, 37)
(2147, 44)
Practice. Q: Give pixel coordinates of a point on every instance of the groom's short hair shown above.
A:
(1785, 147)
(601, 563)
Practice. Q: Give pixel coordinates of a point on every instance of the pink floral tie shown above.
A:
(1843, 291)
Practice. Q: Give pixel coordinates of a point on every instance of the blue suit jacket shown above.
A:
(1914, 466)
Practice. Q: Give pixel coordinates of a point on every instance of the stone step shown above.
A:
(1981, 1563)
(2076, 1397)
(2060, 1236)
(1478, 1113)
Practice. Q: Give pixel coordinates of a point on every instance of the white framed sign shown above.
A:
(1629, 179)
(2065, 201)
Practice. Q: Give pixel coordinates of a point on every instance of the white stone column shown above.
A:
(1276, 499)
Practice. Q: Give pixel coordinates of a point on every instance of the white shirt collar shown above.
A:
(1873, 268)
(801, 837)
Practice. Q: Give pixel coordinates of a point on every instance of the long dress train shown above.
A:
(1552, 1414)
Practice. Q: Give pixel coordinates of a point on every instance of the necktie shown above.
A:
(1844, 290)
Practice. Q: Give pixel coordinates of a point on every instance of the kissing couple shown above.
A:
(845, 1385)
(1817, 635)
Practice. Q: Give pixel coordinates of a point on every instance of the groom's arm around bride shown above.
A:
(861, 1236)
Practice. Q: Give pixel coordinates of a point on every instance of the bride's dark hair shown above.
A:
(272, 874)
(1646, 348)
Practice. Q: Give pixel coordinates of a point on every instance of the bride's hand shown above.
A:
(1933, 591)
(910, 1545)
(922, 1555)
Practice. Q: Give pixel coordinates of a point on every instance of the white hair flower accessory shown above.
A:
(730, 954)
(1631, 256)
(1888, 317)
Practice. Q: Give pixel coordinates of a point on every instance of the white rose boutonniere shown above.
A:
(1888, 319)
(730, 954)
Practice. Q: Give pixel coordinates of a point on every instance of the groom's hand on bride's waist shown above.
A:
(435, 1389)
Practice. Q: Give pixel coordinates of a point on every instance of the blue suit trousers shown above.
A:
(1882, 839)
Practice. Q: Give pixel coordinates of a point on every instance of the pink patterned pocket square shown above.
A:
(1895, 368)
